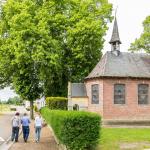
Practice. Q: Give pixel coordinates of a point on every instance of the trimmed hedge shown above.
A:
(75, 129)
(57, 103)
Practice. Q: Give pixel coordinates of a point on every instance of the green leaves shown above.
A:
(143, 43)
(77, 130)
(51, 42)
(57, 103)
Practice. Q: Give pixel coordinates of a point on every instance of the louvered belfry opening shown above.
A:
(115, 39)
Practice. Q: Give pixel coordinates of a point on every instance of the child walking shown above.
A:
(38, 126)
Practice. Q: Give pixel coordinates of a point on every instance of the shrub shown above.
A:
(77, 130)
(13, 108)
(35, 108)
(57, 103)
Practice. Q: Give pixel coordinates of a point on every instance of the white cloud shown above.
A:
(6, 93)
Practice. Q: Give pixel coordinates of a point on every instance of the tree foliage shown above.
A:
(143, 43)
(16, 100)
(45, 44)
(79, 27)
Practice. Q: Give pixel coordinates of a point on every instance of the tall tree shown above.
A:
(26, 48)
(45, 44)
(143, 43)
(79, 27)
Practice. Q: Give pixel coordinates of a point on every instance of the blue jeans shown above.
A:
(37, 133)
(15, 132)
(26, 131)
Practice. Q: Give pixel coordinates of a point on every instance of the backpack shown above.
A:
(15, 122)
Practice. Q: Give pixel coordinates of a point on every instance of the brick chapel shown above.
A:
(118, 87)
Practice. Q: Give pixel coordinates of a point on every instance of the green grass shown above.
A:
(4, 107)
(111, 138)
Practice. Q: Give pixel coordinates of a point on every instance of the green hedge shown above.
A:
(57, 103)
(75, 129)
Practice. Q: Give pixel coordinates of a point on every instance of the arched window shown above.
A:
(119, 94)
(143, 93)
(95, 94)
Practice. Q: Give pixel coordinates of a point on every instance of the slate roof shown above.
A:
(134, 65)
(78, 90)
(115, 34)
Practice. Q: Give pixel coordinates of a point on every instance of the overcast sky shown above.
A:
(130, 15)
(6, 93)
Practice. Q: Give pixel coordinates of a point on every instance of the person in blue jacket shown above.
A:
(25, 121)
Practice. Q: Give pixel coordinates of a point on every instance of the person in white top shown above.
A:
(38, 125)
(15, 127)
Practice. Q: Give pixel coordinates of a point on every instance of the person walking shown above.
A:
(15, 127)
(38, 126)
(25, 121)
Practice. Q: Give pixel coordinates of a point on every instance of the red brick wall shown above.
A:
(131, 109)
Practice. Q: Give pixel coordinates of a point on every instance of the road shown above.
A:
(5, 124)
(21, 109)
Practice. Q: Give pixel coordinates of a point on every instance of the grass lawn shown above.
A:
(124, 138)
(4, 107)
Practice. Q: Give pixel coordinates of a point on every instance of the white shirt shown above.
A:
(38, 121)
(16, 121)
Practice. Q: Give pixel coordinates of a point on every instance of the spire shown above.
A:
(115, 34)
(115, 40)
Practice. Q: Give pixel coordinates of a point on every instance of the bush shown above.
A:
(77, 130)
(35, 108)
(57, 103)
(13, 108)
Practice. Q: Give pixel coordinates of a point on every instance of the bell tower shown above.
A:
(115, 40)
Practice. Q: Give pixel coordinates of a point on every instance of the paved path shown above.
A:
(47, 141)
(21, 109)
(5, 124)
(5, 127)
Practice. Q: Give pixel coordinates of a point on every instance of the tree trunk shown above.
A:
(31, 110)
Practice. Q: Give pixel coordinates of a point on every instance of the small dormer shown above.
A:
(115, 40)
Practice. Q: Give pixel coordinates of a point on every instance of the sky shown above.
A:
(6, 93)
(130, 15)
